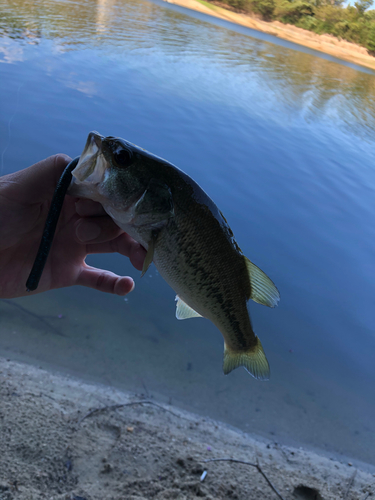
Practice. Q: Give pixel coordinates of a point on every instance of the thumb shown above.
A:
(105, 281)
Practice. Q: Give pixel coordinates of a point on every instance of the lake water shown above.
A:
(282, 138)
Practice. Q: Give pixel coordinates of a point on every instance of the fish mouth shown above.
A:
(86, 168)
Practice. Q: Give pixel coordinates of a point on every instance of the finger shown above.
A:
(105, 281)
(89, 208)
(97, 229)
(123, 244)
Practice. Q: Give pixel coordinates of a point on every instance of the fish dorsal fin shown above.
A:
(263, 289)
(183, 311)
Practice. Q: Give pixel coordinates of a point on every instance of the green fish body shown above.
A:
(187, 238)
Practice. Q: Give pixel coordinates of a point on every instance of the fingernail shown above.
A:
(87, 231)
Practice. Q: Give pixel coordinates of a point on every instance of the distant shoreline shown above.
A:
(328, 44)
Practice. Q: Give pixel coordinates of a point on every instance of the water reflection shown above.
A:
(314, 86)
(275, 137)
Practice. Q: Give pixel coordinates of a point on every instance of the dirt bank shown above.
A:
(55, 446)
(324, 43)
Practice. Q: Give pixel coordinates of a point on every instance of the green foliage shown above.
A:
(329, 15)
(309, 23)
(264, 7)
(292, 12)
(370, 42)
(322, 3)
(239, 4)
(352, 23)
(362, 5)
(370, 15)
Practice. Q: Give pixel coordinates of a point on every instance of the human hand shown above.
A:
(83, 228)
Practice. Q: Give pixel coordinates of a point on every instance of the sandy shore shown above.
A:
(55, 445)
(324, 43)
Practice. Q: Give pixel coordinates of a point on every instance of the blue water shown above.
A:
(281, 139)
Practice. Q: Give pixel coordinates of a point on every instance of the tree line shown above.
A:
(354, 23)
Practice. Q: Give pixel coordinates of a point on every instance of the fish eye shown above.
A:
(123, 157)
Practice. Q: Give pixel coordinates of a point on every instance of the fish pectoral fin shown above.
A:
(183, 311)
(150, 254)
(263, 290)
(253, 360)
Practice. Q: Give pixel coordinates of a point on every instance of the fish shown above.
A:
(187, 238)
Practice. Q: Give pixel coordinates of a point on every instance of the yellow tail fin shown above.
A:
(254, 361)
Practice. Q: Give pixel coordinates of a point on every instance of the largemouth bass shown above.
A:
(187, 238)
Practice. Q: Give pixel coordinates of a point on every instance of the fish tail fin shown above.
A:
(254, 361)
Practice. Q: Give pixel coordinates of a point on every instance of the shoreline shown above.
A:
(63, 438)
(327, 44)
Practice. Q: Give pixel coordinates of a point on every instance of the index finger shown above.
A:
(37, 183)
(123, 244)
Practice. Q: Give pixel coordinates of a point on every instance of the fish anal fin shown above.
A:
(183, 311)
(263, 290)
(253, 360)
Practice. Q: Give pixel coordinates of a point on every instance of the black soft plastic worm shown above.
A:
(50, 226)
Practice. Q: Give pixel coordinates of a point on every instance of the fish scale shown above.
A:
(212, 284)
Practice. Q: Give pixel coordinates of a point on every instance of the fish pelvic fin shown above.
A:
(263, 290)
(254, 361)
(183, 311)
(149, 256)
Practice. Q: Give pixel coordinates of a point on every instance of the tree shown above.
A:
(371, 40)
(293, 11)
(362, 5)
(264, 7)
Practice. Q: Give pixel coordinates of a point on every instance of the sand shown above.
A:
(327, 44)
(55, 445)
